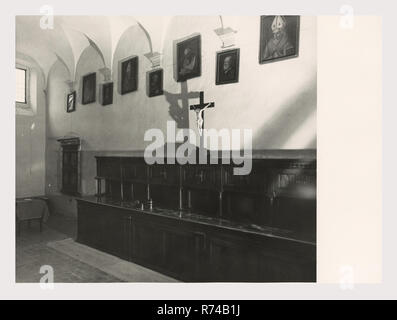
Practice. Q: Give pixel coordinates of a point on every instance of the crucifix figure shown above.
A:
(199, 109)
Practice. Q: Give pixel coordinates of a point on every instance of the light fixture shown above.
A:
(154, 58)
(226, 35)
(107, 73)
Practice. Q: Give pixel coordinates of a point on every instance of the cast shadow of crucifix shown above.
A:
(179, 111)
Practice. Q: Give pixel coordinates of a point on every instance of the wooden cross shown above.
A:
(199, 109)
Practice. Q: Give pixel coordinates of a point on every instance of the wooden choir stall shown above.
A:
(200, 222)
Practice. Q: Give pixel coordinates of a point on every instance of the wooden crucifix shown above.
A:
(199, 109)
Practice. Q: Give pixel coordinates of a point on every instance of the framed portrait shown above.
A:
(279, 38)
(89, 88)
(154, 82)
(129, 75)
(107, 93)
(227, 66)
(71, 102)
(188, 58)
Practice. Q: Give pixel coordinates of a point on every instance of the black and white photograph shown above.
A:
(129, 75)
(227, 66)
(71, 102)
(204, 166)
(89, 88)
(106, 207)
(155, 83)
(107, 93)
(188, 58)
(226, 156)
(279, 38)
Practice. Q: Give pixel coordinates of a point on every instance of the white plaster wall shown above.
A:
(30, 138)
(277, 100)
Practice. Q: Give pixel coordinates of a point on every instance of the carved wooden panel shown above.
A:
(283, 268)
(135, 171)
(166, 174)
(253, 182)
(193, 251)
(109, 168)
(102, 229)
(149, 244)
(232, 261)
(180, 253)
(202, 176)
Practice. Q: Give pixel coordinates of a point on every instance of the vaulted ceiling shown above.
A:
(71, 35)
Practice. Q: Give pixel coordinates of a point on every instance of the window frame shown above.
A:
(24, 105)
(23, 69)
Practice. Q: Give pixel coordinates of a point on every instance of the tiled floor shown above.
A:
(71, 261)
(121, 269)
(32, 253)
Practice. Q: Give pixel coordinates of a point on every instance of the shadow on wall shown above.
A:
(179, 111)
(312, 144)
(276, 131)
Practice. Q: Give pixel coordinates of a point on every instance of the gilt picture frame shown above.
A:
(107, 93)
(128, 71)
(71, 102)
(188, 57)
(227, 66)
(89, 88)
(154, 82)
(279, 38)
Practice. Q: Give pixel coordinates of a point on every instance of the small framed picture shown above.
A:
(107, 93)
(188, 58)
(154, 80)
(129, 74)
(227, 66)
(279, 38)
(89, 88)
(71, 102)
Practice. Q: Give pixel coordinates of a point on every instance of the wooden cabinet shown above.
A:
(202, 176)
(163, 245)
(103, 228)
(70, 164)
(133, 169)
(194, 251)
(167, 249)
(206, 223)
(294, 202)
(255, 182)
(232, 260)
(109, 168)
(164, 174)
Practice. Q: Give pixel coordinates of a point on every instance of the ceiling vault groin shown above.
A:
(71, 35)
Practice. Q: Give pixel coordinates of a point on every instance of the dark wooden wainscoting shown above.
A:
(202, 222)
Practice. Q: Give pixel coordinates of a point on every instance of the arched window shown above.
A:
(21, 86)
(25, 88)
